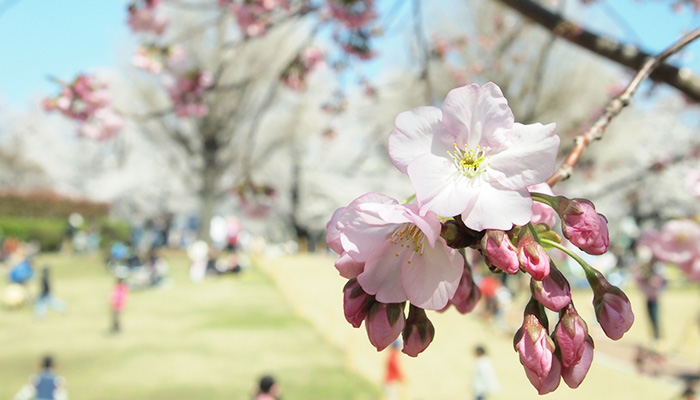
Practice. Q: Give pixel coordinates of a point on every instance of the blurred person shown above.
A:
(268, 389)
(46, 297)
(484, 380)
(118, 301)
(652, 283)
(489, 286)
(45, 385)
(393, 376)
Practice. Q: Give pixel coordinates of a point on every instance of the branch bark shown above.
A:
(625, 54)
(616, 105)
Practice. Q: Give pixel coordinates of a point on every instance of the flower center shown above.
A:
(470, 162)
(409, 237)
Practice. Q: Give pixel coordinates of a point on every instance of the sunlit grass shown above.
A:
(211, 340)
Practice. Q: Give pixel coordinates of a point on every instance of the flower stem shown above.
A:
(543, 198)
(590, 271)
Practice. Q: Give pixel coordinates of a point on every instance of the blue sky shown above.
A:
(39, 38)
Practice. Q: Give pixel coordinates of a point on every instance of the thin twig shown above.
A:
(621, 53)
(615, 106)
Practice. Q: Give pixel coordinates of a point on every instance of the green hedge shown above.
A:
(49, 232)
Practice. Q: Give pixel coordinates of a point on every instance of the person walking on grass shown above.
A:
(45, 385)
(484, 381)
(46, 297)
(118, 300)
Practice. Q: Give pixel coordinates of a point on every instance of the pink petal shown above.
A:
(414, 134)
(431, 279)
(347, 267)
(382, 274)
(529, 157)
(477, 115)
(498, 209)
(377, 214)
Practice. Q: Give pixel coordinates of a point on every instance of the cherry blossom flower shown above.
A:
(352, 13)
(471, 158)
(403, 254)
(143, 17)
(187, 93)
(678, 243)
(87, 100)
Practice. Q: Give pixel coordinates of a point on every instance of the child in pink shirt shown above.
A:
(118, 299)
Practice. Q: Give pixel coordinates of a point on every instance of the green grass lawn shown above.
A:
(211, 340)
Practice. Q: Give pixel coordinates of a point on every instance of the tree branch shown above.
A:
(616, 105)
(624, 54)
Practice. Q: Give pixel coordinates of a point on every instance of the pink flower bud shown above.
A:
(584, 227)
(500, 252)
(536, 350)
(533, 258)
(612, 307)
(570, 334)
(574, 374)
(356, 303)
(418, 333)
(550, 382)
(553, 291)
(348, 267)
(467, 295)
(384, 323)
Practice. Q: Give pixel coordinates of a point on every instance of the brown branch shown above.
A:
(624, 54)
(616, 105)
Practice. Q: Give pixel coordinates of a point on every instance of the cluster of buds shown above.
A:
(143, 17)
(678, 243)
(187, 93)
(394, 254)
(155, 59)
(86, 100)
(353, 14)
(304, 63)
(356, 18)
(254, 16)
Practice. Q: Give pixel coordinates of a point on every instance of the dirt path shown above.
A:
(314, 289)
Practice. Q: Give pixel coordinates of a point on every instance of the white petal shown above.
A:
(477, 115)
(382, 274)
(494, 208)
(439, 186)
(431, 279)
(413, 135)
(528, 158)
